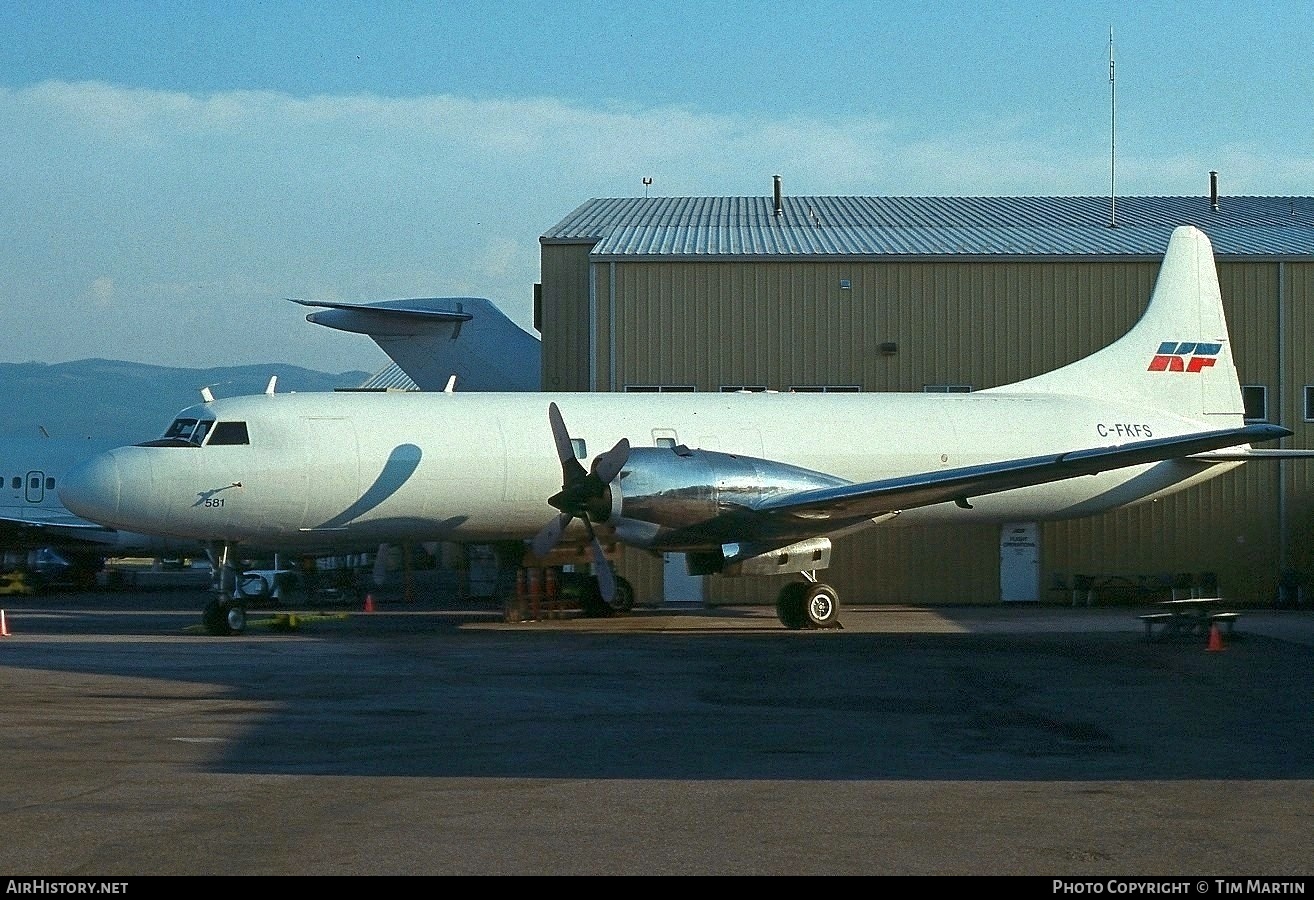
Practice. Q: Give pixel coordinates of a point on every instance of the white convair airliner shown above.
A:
(433, 340)
(749, 483)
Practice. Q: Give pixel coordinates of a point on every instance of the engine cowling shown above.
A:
(681, 499)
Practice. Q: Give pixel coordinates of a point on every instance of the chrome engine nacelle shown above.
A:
(678, 499)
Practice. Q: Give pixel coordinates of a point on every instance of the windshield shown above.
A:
(184, 432)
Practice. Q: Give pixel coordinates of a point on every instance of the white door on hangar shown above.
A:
(1019, 562)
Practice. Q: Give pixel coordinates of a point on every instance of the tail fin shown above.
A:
(1178, 357)
(431, 339)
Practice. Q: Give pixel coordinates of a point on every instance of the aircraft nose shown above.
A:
(91, 489)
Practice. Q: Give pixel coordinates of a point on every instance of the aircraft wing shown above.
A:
(51, 519)
(837, 507)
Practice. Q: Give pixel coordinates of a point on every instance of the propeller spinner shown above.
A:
(585, 496)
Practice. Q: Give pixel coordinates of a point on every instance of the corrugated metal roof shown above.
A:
(684, 227)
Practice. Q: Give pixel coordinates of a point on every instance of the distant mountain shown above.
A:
(129, 402)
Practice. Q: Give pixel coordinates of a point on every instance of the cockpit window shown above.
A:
(229, 433)
(183, 433)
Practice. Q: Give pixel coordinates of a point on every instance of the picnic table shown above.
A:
(1186, 617)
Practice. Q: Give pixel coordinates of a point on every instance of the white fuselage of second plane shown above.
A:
(326, 472)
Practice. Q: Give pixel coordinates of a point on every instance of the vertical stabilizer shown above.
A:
(434, 338)
(1177, 357)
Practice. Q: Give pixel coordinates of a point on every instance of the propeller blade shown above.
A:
(570, 466)
(580, 491)
(548, 536)
(608, 465)
(602, 569)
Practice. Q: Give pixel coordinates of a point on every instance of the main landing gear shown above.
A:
(808, 604)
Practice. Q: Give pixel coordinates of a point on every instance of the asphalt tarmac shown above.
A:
(431, 739)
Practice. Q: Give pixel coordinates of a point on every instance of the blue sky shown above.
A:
(174, 170)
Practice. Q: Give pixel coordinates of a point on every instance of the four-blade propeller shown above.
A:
(585, 496)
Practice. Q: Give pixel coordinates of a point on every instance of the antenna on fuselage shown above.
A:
(451, 385)
(269, 388)
(206, 395)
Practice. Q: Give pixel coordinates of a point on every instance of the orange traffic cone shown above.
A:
(4, 626)
(1215, 638)
(369, 603)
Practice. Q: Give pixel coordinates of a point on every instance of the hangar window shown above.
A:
(947, 388)
(1254, 399)
(824, 389)
(743, 388)
(1309, 403)
(229, 433)
(660, 388)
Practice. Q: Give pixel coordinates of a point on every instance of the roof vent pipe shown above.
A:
(779, 207)
(1213, 191)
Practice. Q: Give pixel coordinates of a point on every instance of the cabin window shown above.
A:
(229, 433)
(1254, 398)
(50, 483)
(18, 482)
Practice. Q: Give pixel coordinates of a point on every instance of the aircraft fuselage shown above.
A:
(326, 472)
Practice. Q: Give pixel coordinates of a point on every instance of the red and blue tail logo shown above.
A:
(1184, 356)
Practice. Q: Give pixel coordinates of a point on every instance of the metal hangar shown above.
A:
(825, 293)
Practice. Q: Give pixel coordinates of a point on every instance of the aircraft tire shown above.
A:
(213, 619)
(591, 602)
(624, 599)
(821, 606)
(235, 616)
(791, 607)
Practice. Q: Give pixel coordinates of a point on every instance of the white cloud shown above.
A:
(192, 215)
